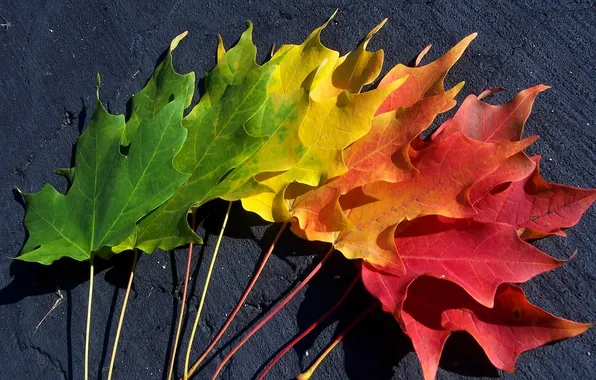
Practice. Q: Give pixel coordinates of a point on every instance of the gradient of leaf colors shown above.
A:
(441, 225)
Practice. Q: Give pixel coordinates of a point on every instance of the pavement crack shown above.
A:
(20, 170)
(259, 306)
(55, 362)
(52, 360)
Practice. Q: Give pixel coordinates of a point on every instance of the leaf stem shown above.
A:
(304, 333)
(87, 333)
(308, 373)
(239, 304)
(272, 313)
(205, 287)
(182, 306)
(123, 312)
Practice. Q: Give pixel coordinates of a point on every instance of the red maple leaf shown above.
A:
(537, 207)
(435, 308)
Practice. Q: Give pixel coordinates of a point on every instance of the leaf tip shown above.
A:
(221, 49)
(177, 39)
(97, 86)
(529, 141)
(578, 328)
(542, 87)
(332, 16)
(457, 88)
(249, 26)
(247, 34)
(373, 31)
(379, 26)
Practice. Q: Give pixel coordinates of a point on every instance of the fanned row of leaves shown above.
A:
(458, 207)
(440, 224)
(440, 249)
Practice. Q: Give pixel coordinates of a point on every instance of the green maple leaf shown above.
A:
(278, 121)
(112, 191)
(219, 141)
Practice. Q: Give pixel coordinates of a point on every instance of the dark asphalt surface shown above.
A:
(49, 54)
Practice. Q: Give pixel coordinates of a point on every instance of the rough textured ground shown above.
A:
(49, 54)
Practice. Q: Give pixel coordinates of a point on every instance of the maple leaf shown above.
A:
(111, 191)
(217, 142)
(492, 123)
(476, 256)
(446, 172)
(281, 116)
(337, 115)
(537, 207)
(541, 209)
(434, 308)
